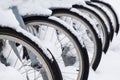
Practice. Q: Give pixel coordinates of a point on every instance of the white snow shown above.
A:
(38, 7)
(109, 66)
(7, 73)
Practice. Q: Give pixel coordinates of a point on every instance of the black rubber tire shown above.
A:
(52, 65)
(111, 34)
(83, 51)
(107, 39)
(113, 12)
(98, 40)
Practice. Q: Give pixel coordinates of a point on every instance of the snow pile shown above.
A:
(7, 73)
(5, 4)
(38, 7)
(41, 7)
(33, 7)
(8, 18)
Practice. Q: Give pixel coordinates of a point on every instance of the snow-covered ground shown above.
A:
(109, 68)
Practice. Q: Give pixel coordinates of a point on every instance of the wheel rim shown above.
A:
(24, 66)
(63, 41)
(100, 25)
(85, 35)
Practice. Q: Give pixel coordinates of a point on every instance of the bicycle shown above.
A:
(14, 42)
(32, 23)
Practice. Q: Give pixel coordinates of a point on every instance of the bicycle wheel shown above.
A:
(85, 32)
(13, 46)
(99, 21)
(68, 52)
(109, 8)
(105, 18)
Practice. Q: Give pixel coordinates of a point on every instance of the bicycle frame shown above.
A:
(18, 17)
(22, 25)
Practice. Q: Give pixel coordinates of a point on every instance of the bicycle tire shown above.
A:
(51, 66)
(84, 71)
(106, 40)
(111, 34)
(98, 49)
(113, 13)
